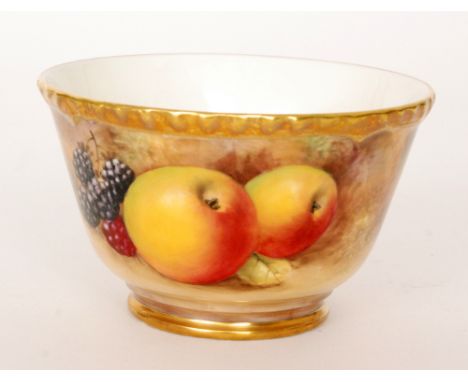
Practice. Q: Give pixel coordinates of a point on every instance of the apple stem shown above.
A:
(213, 203)
(315, 206)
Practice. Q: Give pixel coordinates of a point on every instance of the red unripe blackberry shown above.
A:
(117, 236)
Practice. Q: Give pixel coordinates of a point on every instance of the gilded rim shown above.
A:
(226, 330)
(171, 121)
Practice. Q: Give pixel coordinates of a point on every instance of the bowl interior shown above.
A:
(235, 84)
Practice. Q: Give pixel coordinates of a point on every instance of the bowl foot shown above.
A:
(226, 330)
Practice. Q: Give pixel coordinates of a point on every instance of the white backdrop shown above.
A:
(407, 306)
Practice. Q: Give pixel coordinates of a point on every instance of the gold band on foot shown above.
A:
(226, 330)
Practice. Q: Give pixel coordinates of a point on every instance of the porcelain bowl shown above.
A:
(232, 193)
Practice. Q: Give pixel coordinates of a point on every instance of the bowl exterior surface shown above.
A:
(231, 218)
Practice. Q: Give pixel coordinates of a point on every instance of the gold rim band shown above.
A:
(358, 125)
(226, 330)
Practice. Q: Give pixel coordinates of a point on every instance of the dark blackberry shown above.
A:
(83, 164)
(88, 206)
(105, 198)
(119, 176)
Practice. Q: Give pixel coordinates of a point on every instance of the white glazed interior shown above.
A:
(235, 84)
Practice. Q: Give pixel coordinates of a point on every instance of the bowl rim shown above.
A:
(176, 120)
(43, 86)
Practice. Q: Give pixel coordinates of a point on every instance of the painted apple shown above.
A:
(295, 205)
(191, 224)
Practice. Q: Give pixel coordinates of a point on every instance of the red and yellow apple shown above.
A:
(191, 224)
(295, 205)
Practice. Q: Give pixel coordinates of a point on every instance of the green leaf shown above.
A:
(264, 271)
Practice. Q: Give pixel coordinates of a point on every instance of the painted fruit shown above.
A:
(191, 224)
(117, 236)
(295, 205)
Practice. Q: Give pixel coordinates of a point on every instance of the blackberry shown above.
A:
(98, 201)
(119, 176)
(88, 206)
(117, 236)
(83, 164)
(105, 198)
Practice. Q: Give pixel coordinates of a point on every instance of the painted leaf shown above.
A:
(264, 271)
